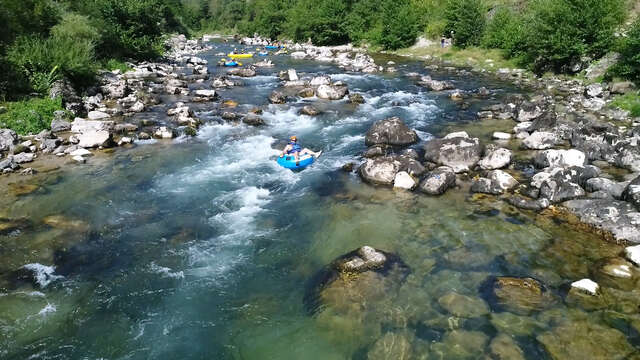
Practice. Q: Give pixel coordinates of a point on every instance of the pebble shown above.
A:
(501, 135)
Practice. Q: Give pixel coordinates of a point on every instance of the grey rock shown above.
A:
(438, 181)
(331, 92)
(8, 138)
(495, 158)
(559, 191)
(309, 110)
(461, 154)
(356, 99)
(528, 204)
(253, 120)
(59, 125)
(632, 192)
(619, 218)
(380, 170)
(622, 87)
(528, 111)
(594, 90)
(242, 72)
(540, 140)
(24, 158)
(91, 139)
(607, 186)
(496, 183)
(276, 97)
(391, 131)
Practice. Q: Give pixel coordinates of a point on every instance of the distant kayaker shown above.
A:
(293, 148)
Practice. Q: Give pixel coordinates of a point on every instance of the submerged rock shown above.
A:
(518, 295)
(461, 344)
(463, 306)
(391, 131)
(585, 340)
(392, 346)
(342, 277)
(309, 110)
(503, 347)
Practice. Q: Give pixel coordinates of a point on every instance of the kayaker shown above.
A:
(294, 148)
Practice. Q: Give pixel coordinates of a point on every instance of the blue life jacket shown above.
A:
(295, 147)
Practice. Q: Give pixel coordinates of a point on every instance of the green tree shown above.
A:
(504, 31)
(467, 20)
(322, 21)
(363, 21)
(560, 32)
(399, 24)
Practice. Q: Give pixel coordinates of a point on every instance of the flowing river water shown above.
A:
(203, 248)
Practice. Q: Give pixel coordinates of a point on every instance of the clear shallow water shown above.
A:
(204, 249)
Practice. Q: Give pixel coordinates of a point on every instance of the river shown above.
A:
(202, 248)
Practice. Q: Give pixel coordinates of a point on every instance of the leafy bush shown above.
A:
(629, 65)
(560, 32)
(629, 102)
(43, 61)
(322, 21)
(30, 116)
(466, 18)
(114, 64)
(399, 24)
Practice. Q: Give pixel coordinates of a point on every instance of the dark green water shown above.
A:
(203, 248)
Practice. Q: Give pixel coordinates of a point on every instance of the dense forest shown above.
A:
(45, 40)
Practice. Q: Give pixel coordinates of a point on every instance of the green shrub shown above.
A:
(560, 32)
(30, 116)
(43, 61)
(114, 64)
(629, 65)
(467, 20)
(629, 102)
(399, 24)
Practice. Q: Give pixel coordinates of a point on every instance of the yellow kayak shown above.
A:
(240, 56)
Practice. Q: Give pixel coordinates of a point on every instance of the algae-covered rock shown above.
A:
(461, 344)
(585, 340)
(518, 295)
(512, 324)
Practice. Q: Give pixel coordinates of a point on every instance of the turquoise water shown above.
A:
(203, 248)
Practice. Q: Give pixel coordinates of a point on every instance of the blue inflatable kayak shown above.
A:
(271, 47)
(289, 162)
(263, 54)
(231, 63)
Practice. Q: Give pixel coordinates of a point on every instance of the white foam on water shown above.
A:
(348, 140)
(289, 119)
(165, 271)
(48, 309)
(43, 274)
(215, 258)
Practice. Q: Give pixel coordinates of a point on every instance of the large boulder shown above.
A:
(331, 92)
(560, 158)
(404, 181)
(320, 80)
(391, 131)
(91, 139)
(309, 110)
(495, 158)
(97, 115)
(540, 140)
(380, 171)
(558, 190)
(461, 154)
(496, 183)
(438, 181)
(80, 125)
(8, 138)
(598, 184)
